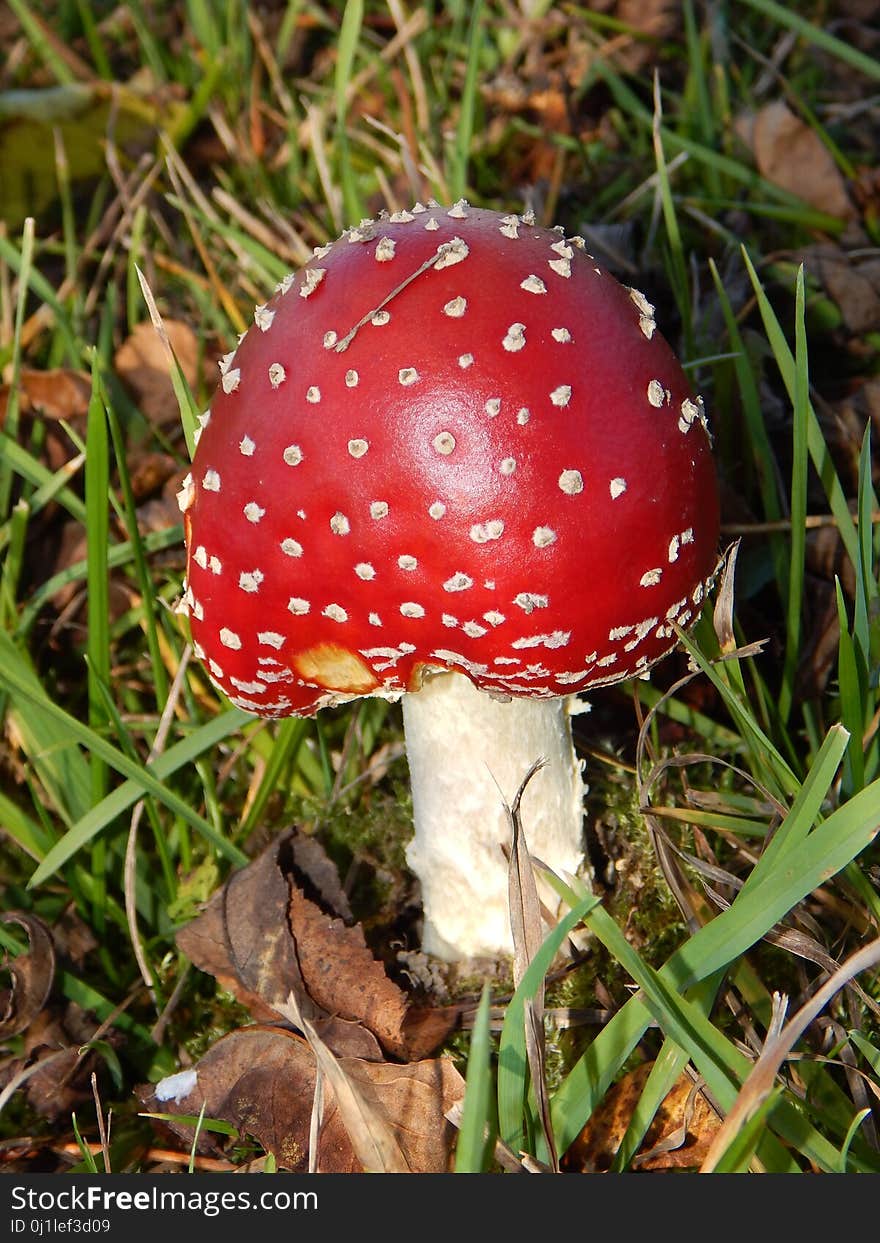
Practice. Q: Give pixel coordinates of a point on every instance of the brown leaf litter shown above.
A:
(791, 155)
(31, 975)
(263, 1080)
(52, 1065)
(142, 364)
(678, 1138)
(266, 936)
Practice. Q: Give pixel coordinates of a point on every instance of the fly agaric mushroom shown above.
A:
(454, 462)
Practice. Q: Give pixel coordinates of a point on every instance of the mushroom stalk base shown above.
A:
(468, 754)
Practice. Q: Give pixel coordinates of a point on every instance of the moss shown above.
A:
(207, 1017)
(638, 896)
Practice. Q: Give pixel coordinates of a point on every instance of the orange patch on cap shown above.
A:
(335, 668)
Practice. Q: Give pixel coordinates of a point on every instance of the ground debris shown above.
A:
(678, 1138)
(790, 154)
(263, 1080)
(31, 973)
(53, 1063)
(265, 940)
(142, 364)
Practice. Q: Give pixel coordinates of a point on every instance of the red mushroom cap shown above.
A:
(451, 441)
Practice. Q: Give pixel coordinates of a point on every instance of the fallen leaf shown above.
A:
(51, 396)
(654, 21)
(32, 975)
(56, 1061)
(70, 599)
(262, 938)
(82, 113)
(142, 365)
(682, 1132)
(373, 1139)
(316, 865)
(678, 1137)
(867, 11)
(643, 25)
(853, 283)
(262, 1080)
(542, 95)
(150, 472)
(259, 1079)
(60, 1082)
(161, 512)
(790, 154)
(243, 940)
(58, 393)
(72, 936)
(341, 974)
(416, 1099)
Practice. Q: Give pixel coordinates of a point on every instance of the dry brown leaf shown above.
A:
(644, 24)
(73, 547)
(861, 405)
(242, 937)
(150, 472)
(262, 938)
(867, 11)
(259, 1079)
(678, 1138)
(57, 1065)
(55, 394)
(142, 365)
(159, 513)
(373, 1137)
(792, 156)
(32, 975)
(72, 937)
(542, 95)
(348, 1038)
(262, 1080)
(61, 1082)
(854, 285)
(313, 861)
(416, 1099)
(52, 1066)
(52, 396)
(654, 20)
(341, 975)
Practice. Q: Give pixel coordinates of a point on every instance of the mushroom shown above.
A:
(452, 462)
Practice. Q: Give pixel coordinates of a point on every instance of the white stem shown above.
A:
(468, 754)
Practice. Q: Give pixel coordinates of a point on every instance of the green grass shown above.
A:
(129, 787)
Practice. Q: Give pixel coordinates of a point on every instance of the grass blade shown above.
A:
(678, 266)
(148, 781)
(458, 175)
(798, 509)
(97, 485)
(185, 402)
(512, 1058)
(818, 36)
(818, 449)
(10, 421)
(852, 709)
(475, 1133)
(346, 50)
(44, 738)
(826, 851)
